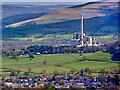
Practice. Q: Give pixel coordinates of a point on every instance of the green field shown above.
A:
(67, 61)
(46, 37)
(41, 37)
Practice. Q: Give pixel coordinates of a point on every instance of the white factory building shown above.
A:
(79, 38)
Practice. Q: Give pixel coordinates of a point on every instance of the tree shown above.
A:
(102, 71)
(26, 51)
(55, 72)
(72, 70)
(3, 80)
(21, 52)
(86, 70)
(26, 73)
(89, 72)
(8, 53)
(80, 54)
(14, 49)
(16, 58)
(29, 70)
(30, 59)
(116, 56)
(31, 55)
(18, 71)
(44, 62)
(43, 71)
(14, 55)
(84, 57)
(13, 73)
(81, 71)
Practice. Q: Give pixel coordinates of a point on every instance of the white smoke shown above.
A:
(87, 13)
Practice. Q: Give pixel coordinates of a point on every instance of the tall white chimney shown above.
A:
(82, 30)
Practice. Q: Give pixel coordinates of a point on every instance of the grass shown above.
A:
(47, 37)
(67, 62)
(98, 56)
(107, 38)
(90, 64)
(41, 37)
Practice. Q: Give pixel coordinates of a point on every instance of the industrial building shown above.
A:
(79, 38)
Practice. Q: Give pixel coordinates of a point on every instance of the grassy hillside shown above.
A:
(16, 9)
(19, 18)
(98, 26)
(46, 37)
(67, 62)
(98, 56)
(90, 10)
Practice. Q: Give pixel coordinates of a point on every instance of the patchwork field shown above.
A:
(47, 37)
(63, 63)
(41, 37)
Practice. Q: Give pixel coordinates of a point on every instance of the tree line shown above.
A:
(112, 48)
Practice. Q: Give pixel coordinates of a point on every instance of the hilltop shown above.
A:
(7, 9)
(94, 9)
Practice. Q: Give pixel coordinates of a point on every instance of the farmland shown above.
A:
(63, 63)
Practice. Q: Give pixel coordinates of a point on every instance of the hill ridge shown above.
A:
(92, 9)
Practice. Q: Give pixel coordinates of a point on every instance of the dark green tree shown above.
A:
(31, 55)
(44, 62)
(13, 73)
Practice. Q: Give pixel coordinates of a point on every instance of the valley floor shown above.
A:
(62, 63)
